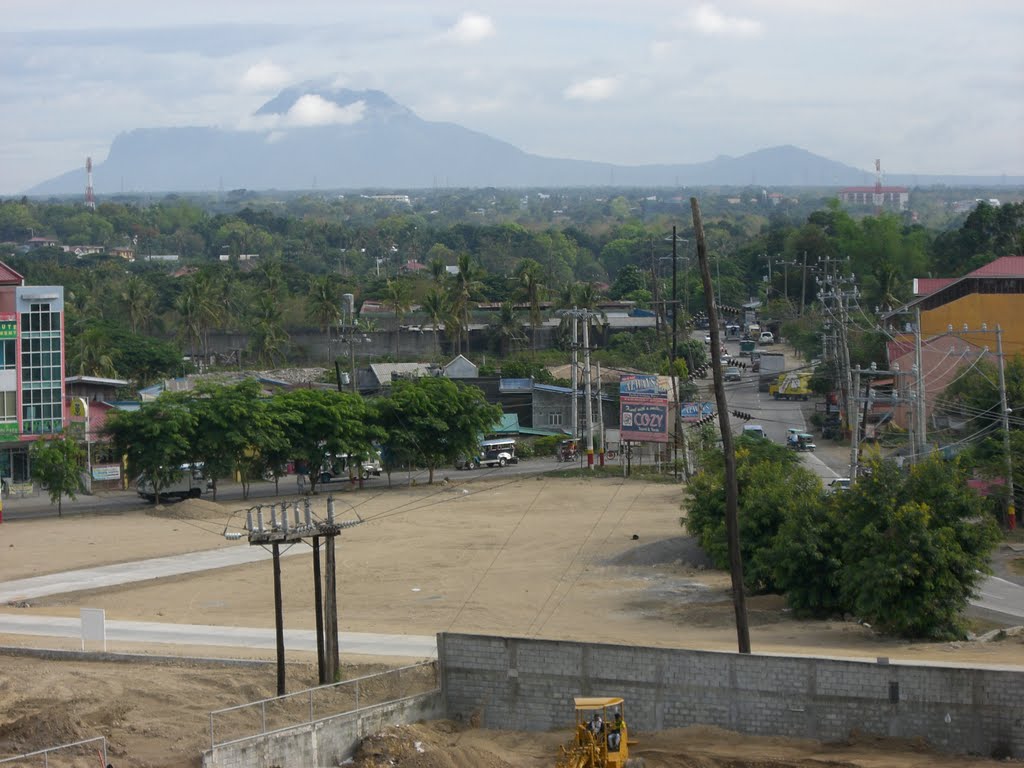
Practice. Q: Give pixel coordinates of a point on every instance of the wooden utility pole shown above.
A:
(731, 489)
(318, 608)
(331, 658)
(279, 619)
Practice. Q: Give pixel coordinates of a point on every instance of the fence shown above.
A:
(101, 752)
(246, 721)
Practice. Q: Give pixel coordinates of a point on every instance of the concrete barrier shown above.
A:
(498, 680)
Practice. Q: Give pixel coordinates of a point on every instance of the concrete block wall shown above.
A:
(325, 742)
(529, 684)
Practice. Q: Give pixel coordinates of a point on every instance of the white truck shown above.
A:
(772, 364)
(190, 484)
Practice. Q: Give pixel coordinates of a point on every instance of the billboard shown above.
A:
(695, 411)
(643, 409)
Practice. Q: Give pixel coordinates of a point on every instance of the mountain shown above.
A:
(343, 139)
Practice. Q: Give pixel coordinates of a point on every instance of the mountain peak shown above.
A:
(376, 103)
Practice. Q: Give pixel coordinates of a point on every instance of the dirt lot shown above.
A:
(600, 561)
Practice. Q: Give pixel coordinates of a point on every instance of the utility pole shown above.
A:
(672, 360)
(922, 419)
(600, 417)
(575, 376)
(855, 434)
(803, 285)
(1011, 510)
(589, 413)
(731, 488)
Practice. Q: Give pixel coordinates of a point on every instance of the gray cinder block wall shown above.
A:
(529, 684)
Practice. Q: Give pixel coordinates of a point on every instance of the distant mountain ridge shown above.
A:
(336, 138)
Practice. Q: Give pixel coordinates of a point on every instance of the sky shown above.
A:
(926, 86)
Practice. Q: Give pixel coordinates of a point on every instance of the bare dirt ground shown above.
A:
(602, 561)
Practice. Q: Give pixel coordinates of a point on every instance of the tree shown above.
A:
(324, 304)
(434, 308)
(157, 439)
(399, 296)
(235, 429)
(530, 275)
(507, 328)
(317, 422)
(138, 297)
(463, 287)
(914, 548)
(772, 486)
(434, 420)
(57, 466)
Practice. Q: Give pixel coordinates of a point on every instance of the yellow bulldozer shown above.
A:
(600, 738)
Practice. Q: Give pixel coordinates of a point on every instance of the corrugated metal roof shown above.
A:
(1005, 266)
(383, 371)
(9, 277)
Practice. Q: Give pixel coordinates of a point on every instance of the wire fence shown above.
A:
(89, 752)
(256, 718)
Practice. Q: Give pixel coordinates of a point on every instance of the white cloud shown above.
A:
(264, 75)
(471, 28)
(312, 110)
(595, 89)
(709, 21)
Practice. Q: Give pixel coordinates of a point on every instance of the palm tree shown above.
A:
(438, 270)
(139, 298)
(508, 328)
(199, 310)
(530, 273)
(89, 354)
(465, 285)
(887, 285)
(268, 336)
(399, 296)
(435, 308)
(324, 305)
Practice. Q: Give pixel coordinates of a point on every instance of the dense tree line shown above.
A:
(311, 250)
(232, 430)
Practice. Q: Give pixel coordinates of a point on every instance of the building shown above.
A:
(992, 295)
(31, 369)
(877, 196)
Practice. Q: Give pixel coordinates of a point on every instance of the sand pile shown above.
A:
(432, 745)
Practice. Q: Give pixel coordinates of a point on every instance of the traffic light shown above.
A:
(742, 415)
(704, 420)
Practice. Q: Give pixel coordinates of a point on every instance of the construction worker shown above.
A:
(615, 733)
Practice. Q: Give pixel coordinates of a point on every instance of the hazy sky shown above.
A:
(928, 86)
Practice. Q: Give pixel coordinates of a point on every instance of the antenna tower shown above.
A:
(90, 198)
(878, 176)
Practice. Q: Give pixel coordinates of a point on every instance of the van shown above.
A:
(189, 484)
(755, 430)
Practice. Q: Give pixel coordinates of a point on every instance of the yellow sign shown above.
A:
(79, 408)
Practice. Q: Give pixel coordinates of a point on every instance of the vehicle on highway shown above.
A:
(755, 430)
(336, 467)
(189, 484)
(767, 338)
(746, 347)
(800, 441)
(732, 373)
(493, 453)
(839, 484)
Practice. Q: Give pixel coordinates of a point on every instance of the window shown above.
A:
(41, 370)
(554, 419)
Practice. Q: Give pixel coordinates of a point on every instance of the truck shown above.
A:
(746, 347)
(795, 385)
(189, 484)
(772, 364)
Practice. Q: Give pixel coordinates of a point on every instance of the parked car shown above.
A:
(766, 339)
(732, 373)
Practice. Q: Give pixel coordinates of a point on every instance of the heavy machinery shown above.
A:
(791, 386)
(599, 738)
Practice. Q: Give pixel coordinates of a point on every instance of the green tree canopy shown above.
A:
(435, 420)
(57, 464)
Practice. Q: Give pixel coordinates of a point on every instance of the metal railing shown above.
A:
(256, 718)
(44, 753)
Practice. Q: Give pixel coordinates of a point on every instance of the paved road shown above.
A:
(37, 506)
(149, 632)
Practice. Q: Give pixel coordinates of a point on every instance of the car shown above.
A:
(726, 357)
(732, 373)
(766, 339)
(755, 430)
(839, 484)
